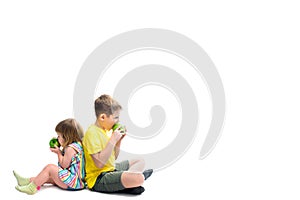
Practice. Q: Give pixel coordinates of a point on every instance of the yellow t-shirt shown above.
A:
(94, 141)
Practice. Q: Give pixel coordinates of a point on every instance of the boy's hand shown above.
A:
(116, 136)
(118, 144)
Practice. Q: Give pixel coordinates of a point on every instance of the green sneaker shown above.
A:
(31, 188)
(21, 180)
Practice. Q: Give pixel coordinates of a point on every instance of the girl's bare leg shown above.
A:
(49, 175)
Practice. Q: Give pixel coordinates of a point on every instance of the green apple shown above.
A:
(54, 143)
(118, 125)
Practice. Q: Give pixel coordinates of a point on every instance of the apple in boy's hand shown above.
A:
(54, 143)
(118, 125)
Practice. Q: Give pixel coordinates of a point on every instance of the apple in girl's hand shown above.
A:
(118, 125)
(54, 143)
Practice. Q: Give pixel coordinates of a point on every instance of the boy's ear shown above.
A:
(102, 116)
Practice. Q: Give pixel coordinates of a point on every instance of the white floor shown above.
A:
(228, 173)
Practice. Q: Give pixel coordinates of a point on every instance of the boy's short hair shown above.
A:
(107, 105)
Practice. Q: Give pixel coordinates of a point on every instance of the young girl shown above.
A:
(69, 173)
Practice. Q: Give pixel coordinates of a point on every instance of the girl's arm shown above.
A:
(65, 160)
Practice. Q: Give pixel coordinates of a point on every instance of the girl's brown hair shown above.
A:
(71, 131)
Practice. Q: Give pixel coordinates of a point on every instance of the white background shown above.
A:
(254, 45)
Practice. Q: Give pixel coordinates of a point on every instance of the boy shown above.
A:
(102, 146)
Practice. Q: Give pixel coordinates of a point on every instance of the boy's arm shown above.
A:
(102, 157)
(117, 150)
(117, 147)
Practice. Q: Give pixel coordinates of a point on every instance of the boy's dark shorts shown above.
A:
(111, 181)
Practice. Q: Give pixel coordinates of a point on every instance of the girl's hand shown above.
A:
(55, 150)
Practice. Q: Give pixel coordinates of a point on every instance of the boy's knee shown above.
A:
(140, 179)
(130, 179)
